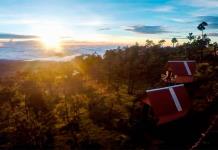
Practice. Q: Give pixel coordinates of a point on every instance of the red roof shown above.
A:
(182, 68)
(168, 103)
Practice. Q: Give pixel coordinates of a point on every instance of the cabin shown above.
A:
(179, 71)
(168, 103)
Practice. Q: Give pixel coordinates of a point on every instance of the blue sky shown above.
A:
(123, 21)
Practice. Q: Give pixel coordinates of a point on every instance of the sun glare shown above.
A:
(50, 36)
(51, 42)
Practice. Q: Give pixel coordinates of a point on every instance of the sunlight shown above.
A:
(50, 34)
(51, 42)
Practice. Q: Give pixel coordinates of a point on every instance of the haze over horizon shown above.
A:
(107, 20)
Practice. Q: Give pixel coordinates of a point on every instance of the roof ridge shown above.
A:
(181, 61)
(163, 88)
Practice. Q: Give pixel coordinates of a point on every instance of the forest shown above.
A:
(93, 101)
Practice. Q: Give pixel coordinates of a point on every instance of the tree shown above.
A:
(174, 40)
(215, 46)
(206, 40)
(202, 27)
(190, 37)
(149, 43)
(161, 42)
(203, 43)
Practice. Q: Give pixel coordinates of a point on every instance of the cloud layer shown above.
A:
(147, 29)
(15, 36)
(211, 20)
(161, 9)
(213, 34)
(202, 3)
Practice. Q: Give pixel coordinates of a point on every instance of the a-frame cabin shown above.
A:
(168, 103)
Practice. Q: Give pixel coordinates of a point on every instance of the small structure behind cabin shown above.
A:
(179, 71)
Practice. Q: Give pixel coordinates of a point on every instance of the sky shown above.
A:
(115, 21)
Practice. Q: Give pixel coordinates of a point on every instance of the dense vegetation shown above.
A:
(91, 101)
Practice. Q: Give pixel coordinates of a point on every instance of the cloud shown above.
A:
(104, 28)
(147, 29)
(178, 20)
(165, 9)
(15, 36)
(202, 3)
(178, 37)
(18, 21)
(211, 20)
(213, 26)
(213, 34)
